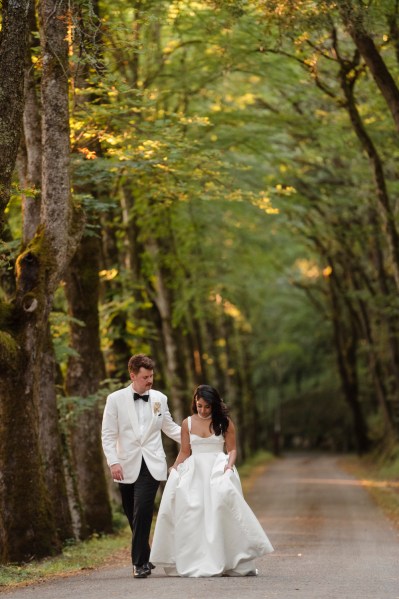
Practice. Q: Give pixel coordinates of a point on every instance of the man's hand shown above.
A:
(116, 472)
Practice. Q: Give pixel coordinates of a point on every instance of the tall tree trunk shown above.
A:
(31, 177)
(357, 278)
(235, 392)
(50, 440)
(26, 527)
(353, 18)
(388, 292)
(346, 351)
(162, 300)
(85, 372)
(196, 364)
(376, 369)
(86, 369)
(213, 332)
(347, 85)
(344, 320)
(13, 43)
(392, 20)
(29, 527)
(56, 209)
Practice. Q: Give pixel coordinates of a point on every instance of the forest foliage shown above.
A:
(210, 182)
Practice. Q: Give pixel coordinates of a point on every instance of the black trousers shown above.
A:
(138, 504)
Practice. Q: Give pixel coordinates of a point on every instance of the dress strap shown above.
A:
(189, 424)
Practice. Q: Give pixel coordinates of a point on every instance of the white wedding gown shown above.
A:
(204, 525)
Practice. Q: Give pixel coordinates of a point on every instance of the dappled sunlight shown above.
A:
(231, 310)
(347, 482)
(308, 268)
(264, 204)
(379, 483)
(108, 275)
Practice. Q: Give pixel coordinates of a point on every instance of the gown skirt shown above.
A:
(204, 525)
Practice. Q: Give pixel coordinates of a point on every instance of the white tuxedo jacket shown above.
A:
(122, 442)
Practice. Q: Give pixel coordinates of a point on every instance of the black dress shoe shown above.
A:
(148, 566)
(140, 572)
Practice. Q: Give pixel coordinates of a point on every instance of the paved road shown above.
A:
(331, 543)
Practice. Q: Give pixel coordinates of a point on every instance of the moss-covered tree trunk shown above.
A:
(30, 176)
(13, 41)
(28, 524)
(85, 372)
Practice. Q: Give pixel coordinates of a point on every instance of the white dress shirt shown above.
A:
(143, 411)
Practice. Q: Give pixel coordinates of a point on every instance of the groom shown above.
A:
(131, 436)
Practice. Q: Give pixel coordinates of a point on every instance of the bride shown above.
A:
(204, 526)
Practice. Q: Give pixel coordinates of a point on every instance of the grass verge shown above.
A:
(86, 555)
(379, 474)
(101, 550)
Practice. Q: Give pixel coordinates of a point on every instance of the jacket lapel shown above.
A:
(154, 416)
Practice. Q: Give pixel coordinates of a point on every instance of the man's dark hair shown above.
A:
(140, 361)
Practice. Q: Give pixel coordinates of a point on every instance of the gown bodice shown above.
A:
(211, 444)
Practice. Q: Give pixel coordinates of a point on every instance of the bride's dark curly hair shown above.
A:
(219, 421)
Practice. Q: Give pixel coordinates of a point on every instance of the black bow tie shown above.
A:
(138, 396)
